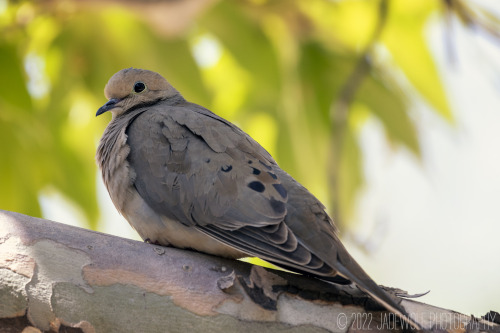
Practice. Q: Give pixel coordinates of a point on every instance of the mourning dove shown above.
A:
(184, 177)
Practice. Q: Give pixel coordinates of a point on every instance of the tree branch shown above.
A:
(54, 276)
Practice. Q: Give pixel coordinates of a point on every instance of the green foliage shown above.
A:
(405, 39)
(282, 68)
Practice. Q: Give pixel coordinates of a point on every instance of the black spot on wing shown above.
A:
(226, 168)
(268, 167)
(272, 175)
(281, 190)
(257, 186)
(256, 171)
(278, 206)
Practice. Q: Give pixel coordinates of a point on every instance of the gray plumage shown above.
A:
(185, 177)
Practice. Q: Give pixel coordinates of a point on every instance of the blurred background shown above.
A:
(388, 111)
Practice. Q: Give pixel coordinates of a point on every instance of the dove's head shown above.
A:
(133, 87)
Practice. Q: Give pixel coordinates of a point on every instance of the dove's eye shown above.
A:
(139, 87)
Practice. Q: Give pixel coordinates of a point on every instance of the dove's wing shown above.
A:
(195, 167)
(192, 171)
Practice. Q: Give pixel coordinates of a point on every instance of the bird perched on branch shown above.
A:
(184, 177)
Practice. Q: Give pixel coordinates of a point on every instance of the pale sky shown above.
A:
(439, 220)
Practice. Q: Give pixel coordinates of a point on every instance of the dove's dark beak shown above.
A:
(111, 104)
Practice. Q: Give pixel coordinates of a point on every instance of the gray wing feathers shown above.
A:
(191, 173)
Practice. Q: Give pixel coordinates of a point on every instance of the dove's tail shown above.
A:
(349, 272)
(365, 283)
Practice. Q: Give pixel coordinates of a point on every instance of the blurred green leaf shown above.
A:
(343, 24)
(245, 39)
(177, 64)
(404, 36)
(323, 73)
(350, 176)
(19, 183)
(391, 109)
(12, 85)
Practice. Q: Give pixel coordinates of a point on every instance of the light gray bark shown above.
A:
(54, 275)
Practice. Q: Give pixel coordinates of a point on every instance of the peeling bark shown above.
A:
(59, 278)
